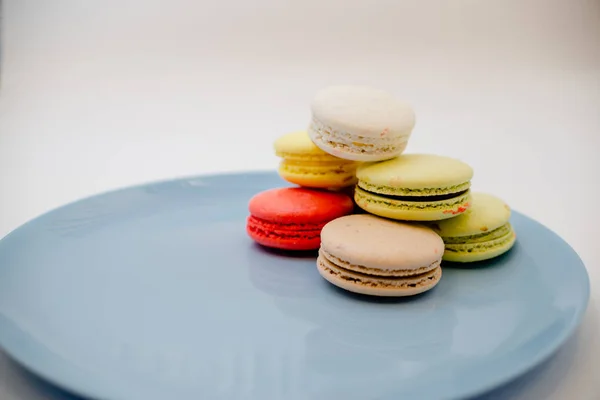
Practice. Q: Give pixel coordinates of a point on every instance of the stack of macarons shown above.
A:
(410, 211)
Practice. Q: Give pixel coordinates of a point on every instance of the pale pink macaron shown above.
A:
(375, 256)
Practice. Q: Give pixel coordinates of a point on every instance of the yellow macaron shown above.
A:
(304, 164)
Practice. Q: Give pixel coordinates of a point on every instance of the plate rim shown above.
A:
(68, 385)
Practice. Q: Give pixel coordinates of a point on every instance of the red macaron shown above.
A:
(292, 218)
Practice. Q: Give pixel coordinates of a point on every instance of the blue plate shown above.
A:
(155, 292)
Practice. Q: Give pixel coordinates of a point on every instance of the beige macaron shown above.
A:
(371, 255)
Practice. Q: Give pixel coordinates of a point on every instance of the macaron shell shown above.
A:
(352, 148)
(403, 210)
(299, 147)
(318, 175)
(298, 243)
(487, 212)
(480, 251)
(290, 228)
(378, 286)
(379, 272)
(377, 243)
(414, 171)
(363, 111)
(479, 238)
(286, 237)
(299, 205)
(307, 165)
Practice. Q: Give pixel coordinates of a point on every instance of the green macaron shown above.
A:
(414, 187)
(481, 233)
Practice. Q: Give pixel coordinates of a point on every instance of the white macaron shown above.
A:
(360, 123)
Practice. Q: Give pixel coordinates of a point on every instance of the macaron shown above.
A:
(292, 218)
(414, 187)
(366, 254)
(481, 233)
(304, 164)
(360, 123)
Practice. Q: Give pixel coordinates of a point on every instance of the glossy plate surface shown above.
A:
(155, 292)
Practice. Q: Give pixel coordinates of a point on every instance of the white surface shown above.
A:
(99, 95)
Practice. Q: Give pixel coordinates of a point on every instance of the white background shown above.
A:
(97, 95)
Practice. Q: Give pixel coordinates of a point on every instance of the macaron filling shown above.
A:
(410, 192)
(318, 174)
(264, 228)
(497, 233)
(376, 271)
(432, 198)
(317, 168)
(327, 136)
(411, 281)
(304, 158)
(502, 238)
(460, 199)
